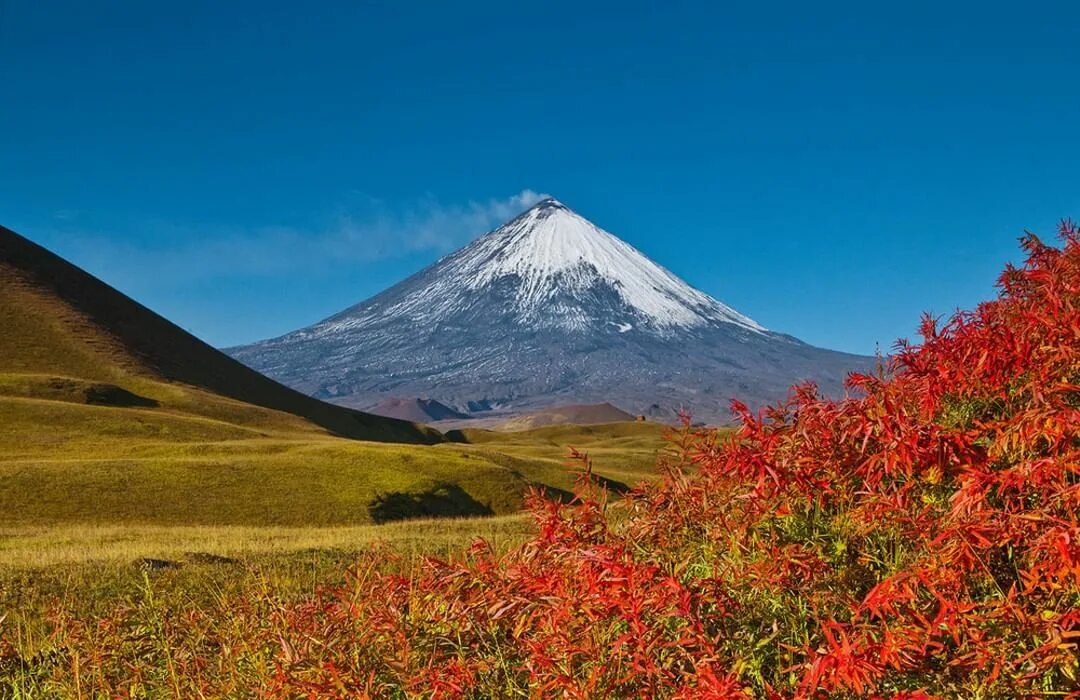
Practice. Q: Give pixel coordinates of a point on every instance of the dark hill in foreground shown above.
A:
(67, 336)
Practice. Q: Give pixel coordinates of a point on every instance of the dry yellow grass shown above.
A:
(38, 547)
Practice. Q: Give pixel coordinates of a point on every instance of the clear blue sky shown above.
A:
(831, 170)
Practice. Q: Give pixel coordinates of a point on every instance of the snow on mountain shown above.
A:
(546, 308)
(551, 249)
(551, 252)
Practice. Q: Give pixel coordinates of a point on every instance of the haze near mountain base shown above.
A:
(547, 309)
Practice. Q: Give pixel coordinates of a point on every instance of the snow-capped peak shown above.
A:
(547, 309)
(549, 203)
(547, 268)
(550, 250)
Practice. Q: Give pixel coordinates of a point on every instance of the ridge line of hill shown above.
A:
(87, 317)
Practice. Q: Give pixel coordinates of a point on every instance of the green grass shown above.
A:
(170, 454)
(626, 452)
(244, 512)
(147, 467)
(305, 484)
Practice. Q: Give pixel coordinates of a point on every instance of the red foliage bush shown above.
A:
(918, 539)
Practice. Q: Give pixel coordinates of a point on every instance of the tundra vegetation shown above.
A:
(916, 539)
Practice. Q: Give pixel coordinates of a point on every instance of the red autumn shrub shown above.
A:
(917, 540)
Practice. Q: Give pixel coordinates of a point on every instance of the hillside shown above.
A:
(110, 415)
(71, 338)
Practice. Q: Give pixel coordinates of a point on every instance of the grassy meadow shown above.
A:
(128, 502)
(915, 541)
(164, 514)
(112, 466)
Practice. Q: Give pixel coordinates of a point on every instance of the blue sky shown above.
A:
(831, 170)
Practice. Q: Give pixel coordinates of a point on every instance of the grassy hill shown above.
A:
(110, 415)
(581, 414)
(120, 466)
(69, 337)
(624, 451)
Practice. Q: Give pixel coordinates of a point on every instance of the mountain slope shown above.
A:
(547, 309)
(69, 337)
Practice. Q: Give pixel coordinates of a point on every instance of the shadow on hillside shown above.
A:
(445, 501)
(82, 391)
(450, 500)
(567, 497)
(613, 487)
(617, 487)
(112, 395)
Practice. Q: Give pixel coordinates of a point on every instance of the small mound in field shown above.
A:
(577, 414)
(112, 395)
(208, 558)
(152, 564)
(446, 500)
(416, 410)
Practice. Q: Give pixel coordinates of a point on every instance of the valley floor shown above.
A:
(90, 524)
(161, 547)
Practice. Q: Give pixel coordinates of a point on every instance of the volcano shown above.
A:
(547, 309)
